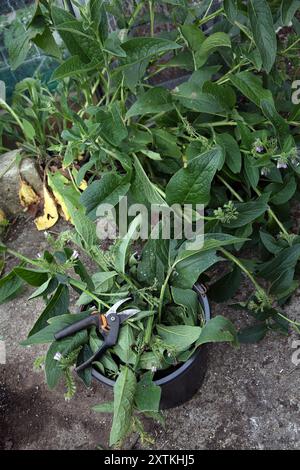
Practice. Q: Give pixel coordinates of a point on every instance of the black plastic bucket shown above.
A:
(181, 384)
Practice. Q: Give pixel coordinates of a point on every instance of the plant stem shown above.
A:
(205, 19)
(79, 285)
(162, 293)
(136, 13)
(151, 12)
(238, 197)
(235, 260)
(14, 115)
(291, 46)
(274, 216)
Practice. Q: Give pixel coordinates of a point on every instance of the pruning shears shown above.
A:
(107, 324)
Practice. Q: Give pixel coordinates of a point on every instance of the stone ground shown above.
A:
(249, 400)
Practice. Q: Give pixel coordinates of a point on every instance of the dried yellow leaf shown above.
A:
(27, 195)
(83, 185)
(50, 216)
(63, 206)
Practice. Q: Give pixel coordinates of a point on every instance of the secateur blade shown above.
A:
(125, 314)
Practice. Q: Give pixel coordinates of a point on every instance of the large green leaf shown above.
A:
(124, 391)
(249, 211)
(108, 190)
(34, 277)
(232, 151)
(211, 44)
(122, 246)
(263, 30)
(140, 49)
(189, 269)
(53, 369)
(217, 330)
(251, 87)
(112, 128)
(179, 337)
(147, 395)
(55, 324)
(288, 9)
(123, 348)
(191, 96)
(191, 185)
(9, 286)
(143, 189)
(154, 101)
(73, 66)
(253, 334)
(58, 305)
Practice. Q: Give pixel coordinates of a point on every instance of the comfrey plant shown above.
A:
(225, 138)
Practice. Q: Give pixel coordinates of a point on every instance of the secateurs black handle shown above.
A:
(110, 339)
(78, 326)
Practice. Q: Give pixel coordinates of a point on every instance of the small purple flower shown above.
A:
(281, 164)
(259, 149)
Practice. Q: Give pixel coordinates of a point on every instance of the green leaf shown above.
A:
(193, 35)
(251, 172)
(190, 95)
(251, 87)
(191, 185)
(166, 143)
(107, 407)
(142, 188)
(41, 289)
(28, 129)
(55, 324)
(53, 370)
(58, 305)
(140, 49)
(122, 246)
(279, 123)
(231, 10)
(210, 45)
(124, 391)
(10, 285)
(102, 282)
(232, 151)
(153, 101)
(249, 211)
(189, 269)
(123, 348)
(34, 277)
(112, 128)
(147, 395)
(288, 9)
(253, 334)
(113, 45)
(282, 193)
(217, 330)
(46, 42)
(85, 228)
(226, 287)
(179, 337)
(108, 190)
(188, 299)
(73, 66)
(263, 30)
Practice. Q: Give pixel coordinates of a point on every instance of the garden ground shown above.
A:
(249, 400)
